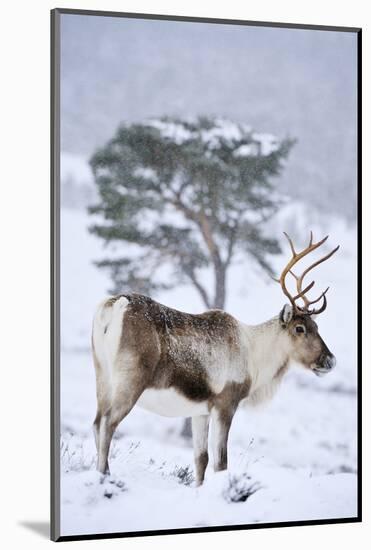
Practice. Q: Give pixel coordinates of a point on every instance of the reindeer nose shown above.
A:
(330, 362)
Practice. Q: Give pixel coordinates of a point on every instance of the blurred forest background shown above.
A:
(186, 150)
(289, 82)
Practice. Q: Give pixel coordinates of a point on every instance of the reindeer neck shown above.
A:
(267, 350)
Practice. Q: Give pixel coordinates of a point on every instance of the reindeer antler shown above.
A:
(301, 293)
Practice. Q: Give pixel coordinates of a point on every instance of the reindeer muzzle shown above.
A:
(325, 366)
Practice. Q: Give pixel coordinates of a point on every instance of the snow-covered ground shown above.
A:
(298, 452)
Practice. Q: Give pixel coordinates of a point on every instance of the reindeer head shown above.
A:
(305, 343)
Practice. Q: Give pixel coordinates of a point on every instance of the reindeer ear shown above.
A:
(286, 314)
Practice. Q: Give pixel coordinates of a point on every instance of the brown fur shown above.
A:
(224, 406)
(159, 336)
(310, 348)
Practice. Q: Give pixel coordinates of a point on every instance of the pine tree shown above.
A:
(190, 194)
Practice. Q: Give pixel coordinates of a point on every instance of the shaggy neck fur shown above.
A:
(268, 355)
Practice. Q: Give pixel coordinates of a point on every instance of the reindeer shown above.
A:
(201, 366)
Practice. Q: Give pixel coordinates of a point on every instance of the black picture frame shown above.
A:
(55, 272)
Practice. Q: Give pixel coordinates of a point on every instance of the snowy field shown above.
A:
(293, 459)
(299, 451)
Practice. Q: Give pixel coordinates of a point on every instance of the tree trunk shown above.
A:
(220, 276)
(187, 429)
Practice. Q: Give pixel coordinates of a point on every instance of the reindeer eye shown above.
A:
(299, 329)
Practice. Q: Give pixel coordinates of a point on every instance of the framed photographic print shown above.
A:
(206, 268)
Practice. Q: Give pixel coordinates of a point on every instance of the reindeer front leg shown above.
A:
(200, 435)
(221, 420)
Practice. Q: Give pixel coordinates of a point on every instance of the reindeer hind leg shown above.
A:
(103, 390)
(127, 388)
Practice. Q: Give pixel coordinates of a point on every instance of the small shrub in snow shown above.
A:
(74, 457)
(240, 488)
(183, 475)
(112, 487)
